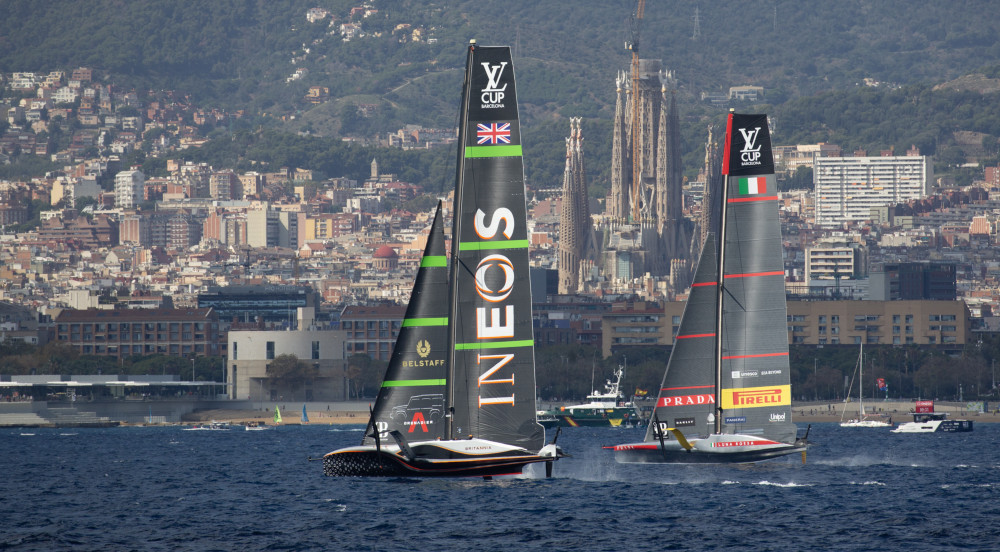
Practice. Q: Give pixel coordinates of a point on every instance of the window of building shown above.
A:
(835, 319)
(822, 330)
(822, 319)
(315, 350)
(269, 354)
(236, 351)
(895, 319)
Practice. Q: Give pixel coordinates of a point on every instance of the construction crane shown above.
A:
(635, 23)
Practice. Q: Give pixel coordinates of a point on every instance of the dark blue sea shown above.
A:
(162, 488)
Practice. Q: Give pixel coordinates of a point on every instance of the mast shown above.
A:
(720, 272)
(861, 382)
(451, 384)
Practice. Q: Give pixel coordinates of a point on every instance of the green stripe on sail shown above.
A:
(492, 151)
(433, 260)
(479, 246)
(494, 345)
(413, 322)
(413, 383)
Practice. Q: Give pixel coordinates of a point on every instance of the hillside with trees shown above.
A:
(813, 61)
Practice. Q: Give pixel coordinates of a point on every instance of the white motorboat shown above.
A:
(933, 422)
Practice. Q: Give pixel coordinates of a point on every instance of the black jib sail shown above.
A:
(412, 397)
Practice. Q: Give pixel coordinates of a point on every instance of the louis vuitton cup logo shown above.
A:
(492, 96)
(750, 154)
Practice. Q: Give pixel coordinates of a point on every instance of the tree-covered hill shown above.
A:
(811, 58)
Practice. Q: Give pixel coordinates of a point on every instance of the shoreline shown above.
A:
(900, 411)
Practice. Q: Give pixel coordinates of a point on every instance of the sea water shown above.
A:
(162, 488)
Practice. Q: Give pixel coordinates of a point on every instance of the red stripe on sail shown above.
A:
(755, 356)
(755, 274)
(746, 199)
(704, 284)
(689, 336)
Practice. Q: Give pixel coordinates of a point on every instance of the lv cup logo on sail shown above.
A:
(750, 154)
(492, 96)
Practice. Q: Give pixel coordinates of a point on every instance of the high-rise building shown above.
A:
(128, 189)
(848, 188)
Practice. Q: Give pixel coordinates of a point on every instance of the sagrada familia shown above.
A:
(644, 230)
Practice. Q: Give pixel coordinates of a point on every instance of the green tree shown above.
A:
(288, 372)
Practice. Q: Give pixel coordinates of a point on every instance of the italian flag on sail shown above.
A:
(752, 185)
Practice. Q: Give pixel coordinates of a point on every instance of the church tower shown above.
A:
(576, 231)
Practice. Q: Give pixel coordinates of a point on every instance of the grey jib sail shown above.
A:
(687, 394)
(493, 375)
(412, 397)
(754, 374)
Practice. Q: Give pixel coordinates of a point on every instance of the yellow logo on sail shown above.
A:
(423, 348)
(756, 397)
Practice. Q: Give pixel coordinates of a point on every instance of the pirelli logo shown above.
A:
(754, 397)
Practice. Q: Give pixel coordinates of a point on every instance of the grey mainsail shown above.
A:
(726, 393)
(754, 375)
(412, 397)
(492, 386)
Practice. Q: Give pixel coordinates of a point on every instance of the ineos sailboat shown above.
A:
(726, 393)
(458, 397)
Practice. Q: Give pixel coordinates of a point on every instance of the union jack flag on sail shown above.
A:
(493, 133)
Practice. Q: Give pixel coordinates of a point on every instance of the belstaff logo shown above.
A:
(750, 154)
(423, 348)
(492, 96)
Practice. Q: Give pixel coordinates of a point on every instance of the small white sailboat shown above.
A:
(864, 419)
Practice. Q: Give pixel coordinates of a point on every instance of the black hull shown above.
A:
(387, 464)
(660, 456)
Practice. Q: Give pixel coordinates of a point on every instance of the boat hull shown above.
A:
(468, 458)
(865, 423)
(612, 417)
(730, 449)
(935, 426)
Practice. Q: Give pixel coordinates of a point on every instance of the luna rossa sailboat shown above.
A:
(726, 393)
(458, 398)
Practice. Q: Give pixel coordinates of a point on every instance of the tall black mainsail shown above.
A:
(726, 393)
(493, 383)
(459, 393)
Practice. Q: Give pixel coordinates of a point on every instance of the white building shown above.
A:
(129, 189)
(848, 188)
(251, 351)
(267, 227)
